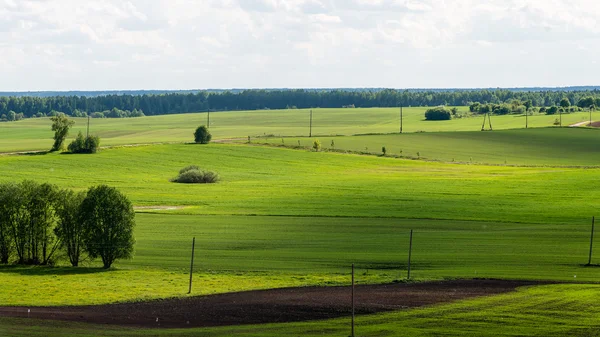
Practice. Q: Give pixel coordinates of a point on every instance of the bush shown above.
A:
(438, 114)
(189, 168)
(317, 145)
(202, 136)
(552, 110)
(82, 144)
(194, 175)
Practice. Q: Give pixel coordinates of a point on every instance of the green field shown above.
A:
(555, 310)
(540, 146)
(293, 217)
(35, 133)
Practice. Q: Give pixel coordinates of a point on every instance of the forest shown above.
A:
(174, 103)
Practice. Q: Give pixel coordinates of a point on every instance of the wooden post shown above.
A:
(590, 118)
(352, 300)
(88, 127)
(208, 120)
(591, 241)
(409, 254)
(310, 129)
(192, 264)
(526, 118)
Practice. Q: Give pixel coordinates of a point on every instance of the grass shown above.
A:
(284, 217)
(553, 310)
(35, 133)
(541, 146)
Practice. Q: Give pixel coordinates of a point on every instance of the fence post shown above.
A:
(192, 264)
(409, 254)
(591, 241)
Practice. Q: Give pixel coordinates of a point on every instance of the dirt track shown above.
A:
(270, 306)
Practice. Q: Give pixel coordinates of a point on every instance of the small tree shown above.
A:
(82, 144)
(202, 136)
(383, 150)
(108, 219)
(60, 125)
(565, 103)
(317, 145)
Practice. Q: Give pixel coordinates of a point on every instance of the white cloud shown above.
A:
(106, 44)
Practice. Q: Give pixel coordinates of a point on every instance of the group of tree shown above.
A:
(114, 105)
(40, 224)
(521, 107)
(61, 125)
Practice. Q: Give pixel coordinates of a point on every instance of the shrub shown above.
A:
(552, 110)
(317, 145)
(438, 114)
(193, 175)
(383, 150)
(189, 168)
(202, 136)
(82, 144)
(542, 109)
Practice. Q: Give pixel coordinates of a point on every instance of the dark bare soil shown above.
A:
(270, 306)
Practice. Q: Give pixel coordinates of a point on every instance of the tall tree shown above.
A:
(60, 125)
(69, 229)
(8, 208)
(109, 219)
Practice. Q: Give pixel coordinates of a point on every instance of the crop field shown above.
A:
(35, 134)
(541, 147)
(289, 217)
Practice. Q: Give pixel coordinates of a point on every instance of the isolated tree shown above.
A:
(586, 102)
(69, 229)
(108, 219)
(202, 136)
(60, 125)
(565, 103)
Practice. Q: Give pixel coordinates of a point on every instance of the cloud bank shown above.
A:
(182, 44)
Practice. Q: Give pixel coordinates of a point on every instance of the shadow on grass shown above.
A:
(55, 271)
(34, 153)
(591, 265)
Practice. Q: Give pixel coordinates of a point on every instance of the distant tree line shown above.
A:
(173, 103)
(40, 223)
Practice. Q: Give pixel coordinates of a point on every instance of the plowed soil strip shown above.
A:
(270, 306)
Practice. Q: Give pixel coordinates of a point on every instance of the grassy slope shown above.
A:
(556, 310)
(541, 146)
(35, 134)
(317, 213)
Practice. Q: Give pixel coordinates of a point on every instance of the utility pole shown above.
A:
(401, 119)
(208, 120)
(352, 300)
(310, 128)
(526, 118)
(88, 127)
(192, 264)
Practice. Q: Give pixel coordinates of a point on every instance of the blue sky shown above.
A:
(185, 44)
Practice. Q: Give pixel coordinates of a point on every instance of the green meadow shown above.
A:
(540, 146)
(553, 310)
(35, 134)
(513, 203)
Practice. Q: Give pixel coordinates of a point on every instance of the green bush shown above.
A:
(202, 136)
(193, 175)
(438, 114)
(189, 168)
(82, 144)
(552, 110)
(317, 145)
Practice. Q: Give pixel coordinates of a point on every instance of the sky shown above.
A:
(200, 44)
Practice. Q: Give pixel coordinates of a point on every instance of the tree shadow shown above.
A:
(52, 271)
(33, 153)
